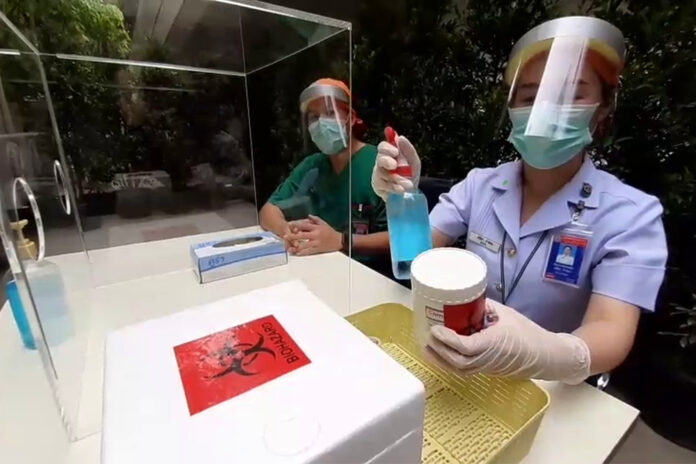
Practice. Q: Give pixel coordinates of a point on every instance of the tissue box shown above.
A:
(237, 255)
(271, 376)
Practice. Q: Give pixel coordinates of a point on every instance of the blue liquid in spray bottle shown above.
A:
(407, 219)
(47, 290)
(20, 316)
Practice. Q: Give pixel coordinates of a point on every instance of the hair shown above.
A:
(359, 128)
(609, 75)
(609, 96)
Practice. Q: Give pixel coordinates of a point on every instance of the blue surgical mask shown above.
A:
(570, 135)
(328, 135)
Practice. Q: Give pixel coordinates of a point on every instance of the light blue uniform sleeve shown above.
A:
(451, 214)
(632, 262)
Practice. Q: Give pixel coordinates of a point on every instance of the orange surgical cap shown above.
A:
(604, 42)
(326, 87)
(608, 72)
(315, 91)
(334, 82)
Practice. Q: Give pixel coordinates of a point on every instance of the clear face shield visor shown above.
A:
(554, 87)
(325, 117)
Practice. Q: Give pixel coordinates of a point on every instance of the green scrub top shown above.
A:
(314, 188)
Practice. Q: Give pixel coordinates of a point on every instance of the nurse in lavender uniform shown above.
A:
(557, 318)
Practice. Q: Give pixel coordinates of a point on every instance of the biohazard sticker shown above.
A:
(222, 365)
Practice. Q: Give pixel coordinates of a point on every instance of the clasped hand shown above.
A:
(312, 236)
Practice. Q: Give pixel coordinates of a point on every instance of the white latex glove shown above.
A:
(383, 181)
(514, 347)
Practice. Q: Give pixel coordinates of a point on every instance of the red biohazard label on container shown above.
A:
(467, 318)
(225, 364)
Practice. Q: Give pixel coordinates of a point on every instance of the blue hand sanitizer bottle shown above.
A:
(26, 250)
(20, 316)
(48, 293)
(407, 220)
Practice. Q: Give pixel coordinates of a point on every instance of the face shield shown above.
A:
(558, 74)
(325, 118)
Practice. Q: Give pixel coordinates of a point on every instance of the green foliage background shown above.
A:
(653, 147)
(114, 118)
(431, 68)
(435, 73)
(82, 99)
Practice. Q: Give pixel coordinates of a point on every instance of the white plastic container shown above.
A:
(327, 395)
(449, 288)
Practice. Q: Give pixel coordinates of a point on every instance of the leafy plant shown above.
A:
(435, 73)
(430, 68)
(654, 140)
(85, 102)
(114, 117)
(446, 92)
(687, 327)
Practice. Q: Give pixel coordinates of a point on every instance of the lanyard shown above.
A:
(585, 192)
(516, 279)
(576, 216)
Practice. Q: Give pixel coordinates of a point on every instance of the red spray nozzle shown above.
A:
(402, 167)
(390, 135)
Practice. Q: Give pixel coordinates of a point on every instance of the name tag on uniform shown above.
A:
(360, 218)
(484, 242)
(566, 255)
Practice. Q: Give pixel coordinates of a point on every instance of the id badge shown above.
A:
(361, 226)
(360, 220)
(567, 252)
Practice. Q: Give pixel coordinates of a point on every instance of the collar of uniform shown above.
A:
(508, 175)
(556, 211)
(508, 205)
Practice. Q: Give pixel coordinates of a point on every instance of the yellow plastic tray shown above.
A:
(468, 419)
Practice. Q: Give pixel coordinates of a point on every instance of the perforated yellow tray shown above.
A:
(468, 419)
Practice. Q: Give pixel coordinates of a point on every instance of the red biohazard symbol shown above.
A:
(237, 358)
(222, 365)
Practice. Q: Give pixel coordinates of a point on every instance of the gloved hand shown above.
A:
(383, 181)
(514, 346)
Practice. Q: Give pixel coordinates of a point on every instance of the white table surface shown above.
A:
(582, 424)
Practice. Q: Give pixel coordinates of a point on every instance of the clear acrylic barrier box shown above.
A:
(139, 128)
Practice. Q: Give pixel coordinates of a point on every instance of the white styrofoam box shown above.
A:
(351, 404)
(237, 255)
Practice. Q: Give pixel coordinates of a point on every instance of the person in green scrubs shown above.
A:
(323, 205)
